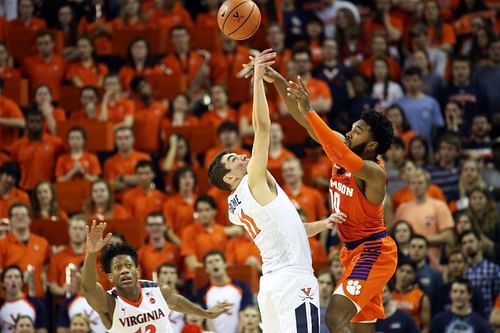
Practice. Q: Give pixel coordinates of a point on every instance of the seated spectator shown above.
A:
(461, 315)
(396, 321)
(432, 83)
(17, 304)
(250, 320)
(382, 21)
(419, 152)
(394, 162)
(114, 107)
(330, 12)
(101, 205)
(220, 111)
(96, 25)
(454, 118)
(44, 203)
(52, 115)
(478, 144)
(440, 34)
(85, 71)
(229, 139)
(480, 45)
(179, 208)
(222, 288)
(47, 67)
(495, 315)
(227, 62)
(143, 199)
(158, 249)
(383, 89)
(380, 50)
(464, 222)
(140, 62)
(409, 298)
(73, 254)
(168, 274)
(481, 272)
(275, 39)
(10, 175)
(89, 98)
(25, 249)
(491, 172)
(36, 153)
(277, 150)
(26, 19)
(326, 283)
(131, 17)
(402, 232)
(208, 18)
(24, 324)
(78, 164)
(180, 115)
(6, 70)
(119, 169)
(470, 178)
(360, 100)
(171, 14)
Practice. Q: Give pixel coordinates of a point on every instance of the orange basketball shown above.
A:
(238, 19)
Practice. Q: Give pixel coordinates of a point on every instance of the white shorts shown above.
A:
(289, 302)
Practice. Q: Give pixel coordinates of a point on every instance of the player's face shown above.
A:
(215, 265)
(168, 276)
(459, 294)
(13, 281)
(237, 164)
(456, 265)
(418, 249)
(250, 319)
(358, 137)
(124, 272)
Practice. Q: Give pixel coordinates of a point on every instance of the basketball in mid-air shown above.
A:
(238, 19)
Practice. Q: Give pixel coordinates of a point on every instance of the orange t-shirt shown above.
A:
(90, 76)
(167, 20)
(224, 64)
(189, 121)
(42, 72)
(119, 165)
(220, 198)
(151, 258)
(212, 152)
(14, 195)
(179, 213)
(447, 35)
(366, 67)
(371, 27)
(147, 124)
(197, 240)
(497, 303)
(8, 109)
(239, 249)
(36, 252)
(59, 116)
(275, 163)
(409, 302)
(58, 263)
(282, 60)
(119, 110)
(36, 24)
(36, 158)
(102, 42)
(318, 252)
(120, 24)
(127, 73)
(140, 204)
(404, 195)
(88, 161)
(9, 72)
(310, 200)
(187, 68)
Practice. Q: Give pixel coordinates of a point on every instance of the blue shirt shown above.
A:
(423, 114)
(398, 322)
(448, 322)
(486, 277)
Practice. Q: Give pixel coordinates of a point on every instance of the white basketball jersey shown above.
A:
(148, 315)
(11, 310)
(276, 228)
(80, 305)
(176, 321)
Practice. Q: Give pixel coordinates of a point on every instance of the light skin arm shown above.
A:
(425, 314)
(172, 151)
(314, 228)
(56, 289)
(12, 122)
(495, 319)
(322, 105)
(128, 121)
(192, 263)
(444, 237)
(173, 237)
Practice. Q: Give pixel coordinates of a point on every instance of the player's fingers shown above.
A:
(301, 82)
(107, 238)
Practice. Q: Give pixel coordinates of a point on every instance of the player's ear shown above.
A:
(372, 146)
(110, 277)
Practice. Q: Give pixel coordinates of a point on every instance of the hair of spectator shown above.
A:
(417, 236)
(228, 126)
(211, 253)
(18, 204)
(167, 265)
(413, 71)
(451, 139)
(464, 282)
(392, 229)
(178, 27)
(111, 251)
(8, 268)
(36, 207)
(176, 179)
(136, 82)
(124, 128)
(466, 233)
(405, 126)
(77, 217)
(208, 199)
(300, 49)
(12, 169)
(398, 142)
(456, 252)
(21, 317)
(407, 262)
(149, 61)
(327, 271)
(80, 130)
(381, 129)
(44, 33)
(144, 164)
(422, 172)
(33, 112)
(217, 170)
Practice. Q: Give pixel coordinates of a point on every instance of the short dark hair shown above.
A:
(417, 236)
(33, 112)
(450, 138)
(206, 199)
(461, 58)
(381, 128)
(167, 265)
(124, 128)
(398, 142)
(217, 170)
(408, 262)
(12, 169)
(111, 251)
(44, 33)
(2, 83)
(213, 253)
(302, 49)
(136, 82)
(412, 71)
(18, 204)
(456, 252)
(463, 281)
(467, 233)
(228, 126)
(176, 179)
(81, 130)
(144, 164)
(8, 268)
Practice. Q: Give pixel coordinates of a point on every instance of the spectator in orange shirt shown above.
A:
(37, 152)
(26, 19)
(227, 62)
(277, 151)
(170, 15)
(382, 21)
(46, 67)
(44, 203)
(275, 38)
(180, 115)
(44, 104)
(400, 124)
(148, 115)
(202, 236)
(158, 249)
(78, 163)
(131, 17)
(178, 155)
(144, 198)
(73, 254)
(11, 119)
(179, 208)
(379, 49)
(89, 98)
(440, 34)
(242, 250)
(191, 65)
(307, 199)
(228, 135)
(140, 62)
(6, 70)
(98, 28)
(86, 71)
(101, 205)
(208, 18)
(319, 92)
(119, 169)
(114, 107)
(220, 110)
(9, 193)
(23, 248)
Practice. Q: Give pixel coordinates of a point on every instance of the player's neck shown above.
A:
(130, 293)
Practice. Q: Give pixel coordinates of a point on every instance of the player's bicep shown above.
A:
(375, 179)
(99, 299)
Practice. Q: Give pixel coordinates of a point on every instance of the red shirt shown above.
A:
(51, 73)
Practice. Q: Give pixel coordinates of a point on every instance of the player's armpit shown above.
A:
(375, 179)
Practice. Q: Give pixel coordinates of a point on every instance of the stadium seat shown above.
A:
(248, 274)
(206, 39)
(70, 98)
(100, 135)
(295, 134)
(202, 178)
(238, 89)
(18, 90)
(133, 230)
(201, 138)
(72, 194)
(55, 232)
(21, 44)
(166, 86)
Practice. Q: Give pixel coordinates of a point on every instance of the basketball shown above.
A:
(238, 19)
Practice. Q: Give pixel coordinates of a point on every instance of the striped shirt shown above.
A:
(446, 179)
(486, 277)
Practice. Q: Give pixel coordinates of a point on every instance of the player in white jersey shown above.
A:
(133, 305)
(288, 296)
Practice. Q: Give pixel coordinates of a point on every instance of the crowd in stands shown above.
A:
(112, 110)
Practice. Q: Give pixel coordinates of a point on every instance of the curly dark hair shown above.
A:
(381, 129)
(111, 251)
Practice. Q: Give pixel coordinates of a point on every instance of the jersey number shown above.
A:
(148, 329)
(249, 224)
(335, 201)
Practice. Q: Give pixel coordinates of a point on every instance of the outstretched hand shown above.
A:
(218, 309)
(264, 59)
(334, 218)
(248, 70)
(299, 92)
(95, 240)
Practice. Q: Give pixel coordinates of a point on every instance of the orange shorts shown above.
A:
(367, 269)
